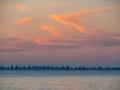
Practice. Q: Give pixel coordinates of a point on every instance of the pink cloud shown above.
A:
(21, 7)
(52, 30)
(73, 19)
(24, 20)
(88, 41)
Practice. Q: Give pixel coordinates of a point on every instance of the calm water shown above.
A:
(59, 80)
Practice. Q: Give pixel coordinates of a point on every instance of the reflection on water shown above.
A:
(60, 81)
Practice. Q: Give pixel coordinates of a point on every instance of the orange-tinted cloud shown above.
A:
(59, 4)
(21, 7)
(44, 41)
(52, 30)
(68, 21)
(74, 18)
(108, 9)
(24, 21)
(19, 44)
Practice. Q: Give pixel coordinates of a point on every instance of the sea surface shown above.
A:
(60, 80)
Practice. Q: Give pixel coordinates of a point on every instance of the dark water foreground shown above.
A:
(57, 73)
(60, 80)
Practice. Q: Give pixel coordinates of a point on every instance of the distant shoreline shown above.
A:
(16, 67)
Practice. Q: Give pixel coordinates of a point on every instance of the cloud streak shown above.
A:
(52, 30)
(73, 19)
(24, 21)
(21, 7)
(96, 38)
(18, 44)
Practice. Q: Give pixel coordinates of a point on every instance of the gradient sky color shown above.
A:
(60, 32)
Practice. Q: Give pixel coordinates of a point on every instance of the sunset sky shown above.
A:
(60, 32)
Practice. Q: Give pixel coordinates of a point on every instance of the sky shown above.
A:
(60, 32)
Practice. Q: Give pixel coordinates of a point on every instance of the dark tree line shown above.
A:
(16, 67)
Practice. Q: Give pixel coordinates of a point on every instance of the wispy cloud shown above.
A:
(59, 4)
(74, 18)
(52, 30)
(18, 44)
(96, 38)
(24, 20)
(21, 7)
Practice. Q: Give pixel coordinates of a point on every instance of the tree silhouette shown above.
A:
(16, 67)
